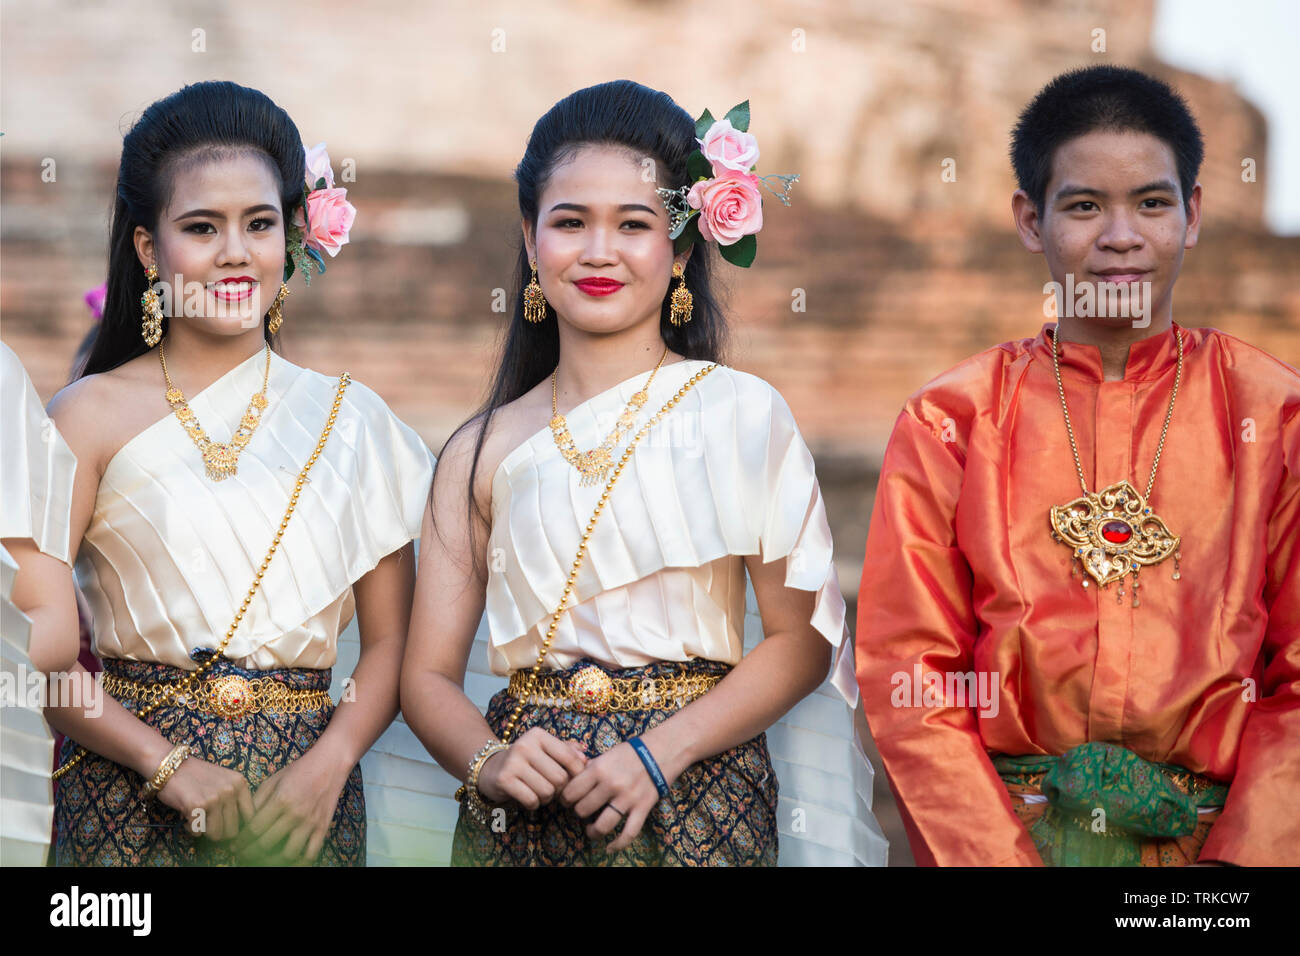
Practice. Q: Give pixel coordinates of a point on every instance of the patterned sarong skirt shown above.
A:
(101, 820)
(721, 811)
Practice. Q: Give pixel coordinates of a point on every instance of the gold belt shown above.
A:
(230, 696)
(593, 691)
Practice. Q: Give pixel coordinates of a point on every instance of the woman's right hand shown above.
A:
(532, 771)
(214, 801)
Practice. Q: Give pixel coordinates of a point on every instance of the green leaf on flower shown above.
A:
(320, 184)
(689, 236)
(739, 116)
(681, 226)
(741, 252)
(697, 167)
(703, 123)
(292, 248)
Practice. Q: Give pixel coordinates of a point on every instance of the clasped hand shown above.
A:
(284, 823)
(539, 767)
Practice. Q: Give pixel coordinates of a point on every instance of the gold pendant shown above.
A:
(594, 465)
(1113, 533)
(221, 461)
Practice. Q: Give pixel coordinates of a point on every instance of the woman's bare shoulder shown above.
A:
(98, 414)
(506, 429)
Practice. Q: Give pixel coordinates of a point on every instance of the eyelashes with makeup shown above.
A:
(198, 228)
(565, 223)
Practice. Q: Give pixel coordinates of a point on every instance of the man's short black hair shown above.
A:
(1102, 98)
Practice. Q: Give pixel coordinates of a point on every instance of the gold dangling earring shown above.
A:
(275, 318)
(682, 301)
(151, 323)
(534, 300)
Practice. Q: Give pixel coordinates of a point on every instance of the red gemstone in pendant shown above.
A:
(1116, 532)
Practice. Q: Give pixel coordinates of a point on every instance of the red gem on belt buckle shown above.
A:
(232, 696)
(591, 690)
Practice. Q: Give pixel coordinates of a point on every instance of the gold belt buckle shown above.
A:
(232, 696)
(591, 690)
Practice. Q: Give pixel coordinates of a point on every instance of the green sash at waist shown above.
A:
(1104, 801)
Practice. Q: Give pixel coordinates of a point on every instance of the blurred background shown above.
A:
(904, 271)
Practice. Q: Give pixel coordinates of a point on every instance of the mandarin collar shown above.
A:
(1148, 358)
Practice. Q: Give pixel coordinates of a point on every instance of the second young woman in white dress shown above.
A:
(604, 508)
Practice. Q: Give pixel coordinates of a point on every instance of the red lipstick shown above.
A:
(234, 289)
(598, 286)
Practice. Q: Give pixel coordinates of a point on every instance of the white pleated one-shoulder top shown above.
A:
(723, 475)
(169, 554)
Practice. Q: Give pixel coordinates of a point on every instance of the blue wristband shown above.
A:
(651, 767)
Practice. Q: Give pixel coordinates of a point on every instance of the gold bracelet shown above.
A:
(165, 770)
(468, 793)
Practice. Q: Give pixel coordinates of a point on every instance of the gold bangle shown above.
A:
(165, 770)
(468, 793)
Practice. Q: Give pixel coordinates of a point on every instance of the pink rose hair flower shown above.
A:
(318, 167)
(329, 219)
(730, 206)
(322, 222)
(722, 201)
(726, 147)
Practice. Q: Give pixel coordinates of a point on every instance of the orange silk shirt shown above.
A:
(962, 576)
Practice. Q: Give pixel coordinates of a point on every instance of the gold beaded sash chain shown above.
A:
(185, 685)
(582, 549)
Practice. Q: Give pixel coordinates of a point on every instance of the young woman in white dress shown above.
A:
(604, 508)
(232, 512)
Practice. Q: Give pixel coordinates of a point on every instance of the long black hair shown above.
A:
(203, 120)
(620, 113)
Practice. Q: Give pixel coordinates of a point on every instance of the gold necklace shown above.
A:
(1113, 532)
(220, 459)
(594, 465)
